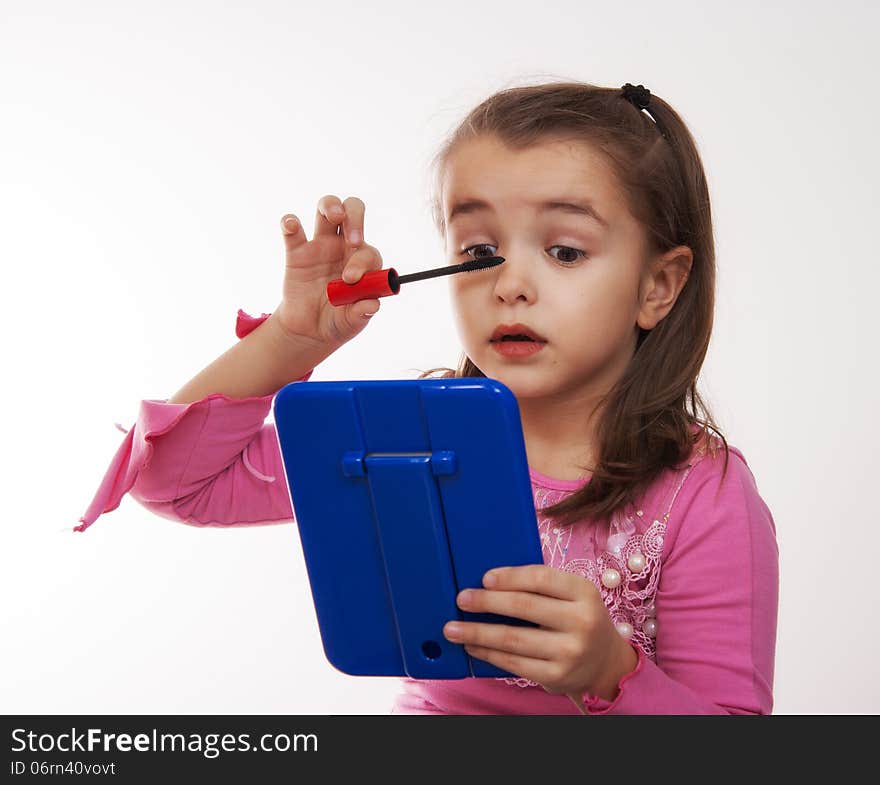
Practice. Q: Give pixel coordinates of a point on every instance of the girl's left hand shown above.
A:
(577, 648)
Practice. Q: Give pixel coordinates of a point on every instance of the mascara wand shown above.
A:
(382, 283)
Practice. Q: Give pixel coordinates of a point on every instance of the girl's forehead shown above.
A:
(487, 170)
(488, 144)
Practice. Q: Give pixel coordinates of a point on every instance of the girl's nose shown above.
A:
(512, 280)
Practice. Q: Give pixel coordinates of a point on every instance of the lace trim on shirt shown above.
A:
(630, 603)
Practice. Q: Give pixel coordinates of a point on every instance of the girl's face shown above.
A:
(572, 275)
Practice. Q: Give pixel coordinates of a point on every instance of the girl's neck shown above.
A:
(558, 465)
(560, 448)
(560, 430)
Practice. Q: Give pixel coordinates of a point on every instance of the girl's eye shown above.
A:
(568, 262)
(479, 245)
(578, 254)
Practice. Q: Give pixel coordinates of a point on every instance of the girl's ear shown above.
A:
(661, 284)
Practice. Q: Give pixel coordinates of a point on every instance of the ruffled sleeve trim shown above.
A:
(245, 323)
(596, 705)
(158, 417)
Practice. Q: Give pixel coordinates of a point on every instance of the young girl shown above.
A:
(659, 590)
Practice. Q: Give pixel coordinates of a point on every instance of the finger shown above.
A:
(366, 309)
(525, 641)
(363, 260)
(536, 578)
(353, 225)
(549, 612)
(350, 319)
(292, 231)
(329, 216)
(540, 671)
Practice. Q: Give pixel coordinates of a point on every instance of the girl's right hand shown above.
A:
(337, 250)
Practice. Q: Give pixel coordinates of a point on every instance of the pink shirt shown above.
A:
(699, 606)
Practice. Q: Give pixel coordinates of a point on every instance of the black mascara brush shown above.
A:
(382, 283)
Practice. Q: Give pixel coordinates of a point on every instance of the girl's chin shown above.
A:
(523, 382)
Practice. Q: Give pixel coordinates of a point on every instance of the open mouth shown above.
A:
(513, 333)
(517, 346)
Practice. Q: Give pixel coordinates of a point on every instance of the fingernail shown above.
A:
(453, 630)
(354, 236)
(337, 210)
(372, 313)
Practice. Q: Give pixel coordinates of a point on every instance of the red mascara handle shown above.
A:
(375, 283)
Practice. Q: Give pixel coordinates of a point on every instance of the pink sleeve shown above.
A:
(716, 603)
(213, 462)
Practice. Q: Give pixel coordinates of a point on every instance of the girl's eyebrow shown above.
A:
(582, 207)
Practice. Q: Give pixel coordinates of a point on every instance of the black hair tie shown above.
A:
(640, 97)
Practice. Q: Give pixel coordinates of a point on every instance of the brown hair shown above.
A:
(646, 425)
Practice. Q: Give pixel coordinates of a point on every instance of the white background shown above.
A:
(147, 154)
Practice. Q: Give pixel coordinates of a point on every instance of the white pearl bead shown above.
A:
(611, 578)
(636, 562)
(625, 629)
(650, 628)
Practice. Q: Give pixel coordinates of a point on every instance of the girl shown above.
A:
(659, 589)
